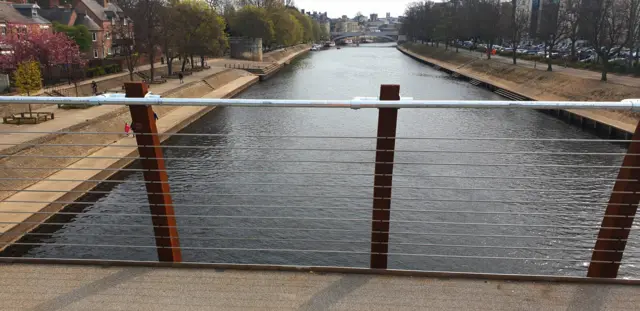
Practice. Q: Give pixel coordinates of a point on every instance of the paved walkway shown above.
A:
(67, 118)
(101, 78)
(588, 74)
(71, 288)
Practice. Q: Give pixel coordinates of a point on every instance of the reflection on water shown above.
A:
(245, 196)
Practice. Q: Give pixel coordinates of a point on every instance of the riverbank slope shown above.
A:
(534, 84)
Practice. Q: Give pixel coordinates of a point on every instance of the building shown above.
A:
(373, 17)
(111, 20)
(16, 18)
(66, 15)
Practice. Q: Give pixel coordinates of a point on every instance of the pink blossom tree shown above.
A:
(47, 48)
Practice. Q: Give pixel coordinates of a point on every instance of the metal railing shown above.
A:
(473, 204)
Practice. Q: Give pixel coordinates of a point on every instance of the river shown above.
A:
(446, 217)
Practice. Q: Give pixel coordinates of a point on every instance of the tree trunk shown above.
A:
(184, 64)
(202, 61)
(573, 50)
(191, 61)
(605, 68)
(152, 54)
(169, 65)
(130, 75)
(514, 54)
(489, 49)
(514, 38)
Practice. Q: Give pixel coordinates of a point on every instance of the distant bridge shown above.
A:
(391, 35)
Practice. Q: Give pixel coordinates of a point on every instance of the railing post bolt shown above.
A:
(619, 215)
(385, 146)
(155, 176)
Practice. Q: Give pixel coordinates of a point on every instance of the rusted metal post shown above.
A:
(155, 175)
(619, 215)
(385, 146)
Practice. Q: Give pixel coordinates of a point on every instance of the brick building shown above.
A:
(104, 19)
(16, 18)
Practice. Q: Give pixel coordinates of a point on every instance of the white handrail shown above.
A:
(356, 103)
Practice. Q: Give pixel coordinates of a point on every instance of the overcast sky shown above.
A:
(337, 8)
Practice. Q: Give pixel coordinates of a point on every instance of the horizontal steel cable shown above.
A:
(326, 229)
(335, 137)
(469, 235)
(585, 249)
(326, 149)
(345, 162)
(317, 251)
(314, 208)
(209, 205)
(318, 185)
(368, 198)
(330, 173)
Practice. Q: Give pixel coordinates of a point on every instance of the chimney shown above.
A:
(68, 6)
(105, 3)
(54, 4)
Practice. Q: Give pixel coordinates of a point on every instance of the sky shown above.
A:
(337, 8)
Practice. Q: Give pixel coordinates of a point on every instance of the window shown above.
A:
(95, 53)
(44, 26)
(109, 50)
(94, 37)
(34, 12)
(124, 22)
(3, 29)
(107, 35)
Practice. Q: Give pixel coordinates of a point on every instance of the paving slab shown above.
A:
(37, 287)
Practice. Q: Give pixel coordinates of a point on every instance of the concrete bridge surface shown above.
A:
(392, 35)
(37, 287)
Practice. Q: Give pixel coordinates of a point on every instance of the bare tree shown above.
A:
(489, 13)
(519, 25)
(126, 47)
(614, 24)
(553, 28)
(573, 18)
(147, 18)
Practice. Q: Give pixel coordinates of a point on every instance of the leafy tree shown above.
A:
(49, 49)
(315, 28)
(324, 33)
(253, 22)
(305, 21)
(79, 34)
(28, 78)
(286, 28)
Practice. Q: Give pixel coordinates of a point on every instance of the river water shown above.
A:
(445, 216)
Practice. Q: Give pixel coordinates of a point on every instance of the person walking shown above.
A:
(180, 76)
(127, 129)
(94, 87)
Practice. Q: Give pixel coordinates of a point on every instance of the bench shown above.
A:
(28, 118)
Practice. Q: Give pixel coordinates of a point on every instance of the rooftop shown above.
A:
(9, 14)
(101, 12)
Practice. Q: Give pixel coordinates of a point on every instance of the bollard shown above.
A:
(619, 215)
(385, 146)
(155, 176)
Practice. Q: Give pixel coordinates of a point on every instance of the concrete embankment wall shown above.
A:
(537, 85)
(285, 54)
